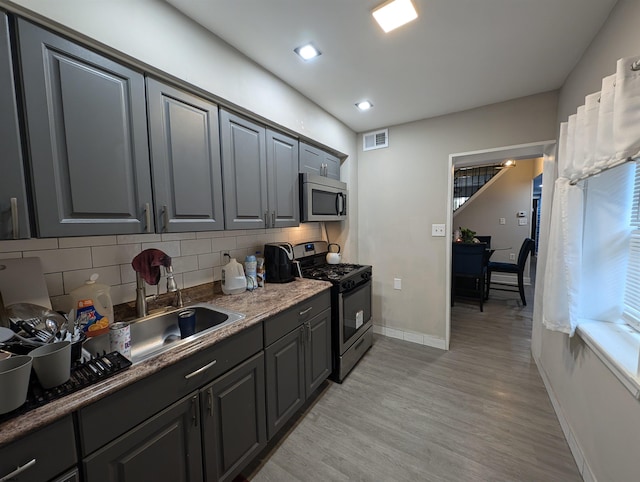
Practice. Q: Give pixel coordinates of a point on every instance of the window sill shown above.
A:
(618, 346)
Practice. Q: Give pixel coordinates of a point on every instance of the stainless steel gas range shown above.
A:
(352, 327)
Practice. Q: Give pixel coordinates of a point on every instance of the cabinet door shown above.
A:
(244, 166)
(185, 158)
(14, 217)
(233, 420)
(282, 180)
(86, 121)
(284, 362)
(318, 351)
(316, 161)
(164, 448)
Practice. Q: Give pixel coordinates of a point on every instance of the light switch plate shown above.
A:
(503, 220)
(437, 230)
(397, 283)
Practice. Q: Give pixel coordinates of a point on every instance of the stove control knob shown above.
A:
(347, 285)
(366, 275)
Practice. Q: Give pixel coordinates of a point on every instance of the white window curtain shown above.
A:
(603, 133)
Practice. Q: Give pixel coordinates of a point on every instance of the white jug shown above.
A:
(233, 279)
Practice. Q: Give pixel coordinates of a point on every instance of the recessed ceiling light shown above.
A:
(307, 52)
(394, 13)
(364, 105)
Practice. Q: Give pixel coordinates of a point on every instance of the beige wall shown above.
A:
(600, 416)
(510, 193)
(403, 190)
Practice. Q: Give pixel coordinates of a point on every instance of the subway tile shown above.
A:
(14, 255)
(138, 238)
(123, 293)
(224, 244)
(108, 275)
(186, 263)
(217, 273)
(55, 287)
(281, 237)
(194, 278)
(61, 303)
(56, 260)
(197, 246)
(177, 236)
(114, 255)
(127, 274)
(172, 248)
(246, 241)
(85, 241)
(28, 244)
(209, 260)
(210, 234)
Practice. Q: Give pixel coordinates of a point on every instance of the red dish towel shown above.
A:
(148, 264)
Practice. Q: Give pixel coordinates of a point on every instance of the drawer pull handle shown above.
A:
(200, 370)
(304, 312)
(19, 470)
(15, 225)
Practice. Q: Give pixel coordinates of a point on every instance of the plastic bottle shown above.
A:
(233, 279)
(250, 268)
(260, 268)
(92, 307)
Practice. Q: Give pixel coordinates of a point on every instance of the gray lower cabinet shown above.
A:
(14, 212)
(260, 175)
(297, 357)
(233, 420)
(185, 160)
(87, 138)
(165, 448)
(314, 160)
(42, 455)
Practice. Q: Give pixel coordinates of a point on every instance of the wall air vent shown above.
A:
(375, 140)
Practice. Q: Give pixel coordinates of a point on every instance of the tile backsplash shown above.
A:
(197, 258)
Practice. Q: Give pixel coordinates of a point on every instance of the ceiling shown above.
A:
(457, 55)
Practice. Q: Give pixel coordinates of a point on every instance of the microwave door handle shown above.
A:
(344, 205)
(338, 204)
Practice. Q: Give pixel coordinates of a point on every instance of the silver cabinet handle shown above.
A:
(165, 219)
(18, 471)
(15, 224)
(147, 217)
(200, 370)
(273, 219)
(304, 312)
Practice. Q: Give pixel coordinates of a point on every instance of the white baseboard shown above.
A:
(419, 338)
(576, 450)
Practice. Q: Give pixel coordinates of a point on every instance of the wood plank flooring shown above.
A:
(478, 412)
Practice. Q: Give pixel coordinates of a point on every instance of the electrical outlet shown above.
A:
(522, 221)
(437, 230)
(397, 283)
(503, 220)
(512, 256)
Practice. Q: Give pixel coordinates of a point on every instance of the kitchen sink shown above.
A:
(158, 333)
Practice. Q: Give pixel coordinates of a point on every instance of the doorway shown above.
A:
(484, 157)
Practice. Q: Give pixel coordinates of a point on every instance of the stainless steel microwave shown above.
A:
(322, 199)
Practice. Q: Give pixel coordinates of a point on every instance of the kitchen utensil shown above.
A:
(7, 334)
(333, 257)
(14, 382)
(52, 363)
(278, 259)
(32, 319)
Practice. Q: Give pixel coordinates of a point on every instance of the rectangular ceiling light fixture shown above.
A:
(394, 13)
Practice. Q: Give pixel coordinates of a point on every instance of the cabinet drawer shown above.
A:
(43, 455)
(280, 325)
(103, 421)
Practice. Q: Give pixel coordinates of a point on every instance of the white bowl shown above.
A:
(14, 382)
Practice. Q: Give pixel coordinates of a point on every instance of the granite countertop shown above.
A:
(255, 305)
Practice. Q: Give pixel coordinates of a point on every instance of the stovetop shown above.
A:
(312, 258)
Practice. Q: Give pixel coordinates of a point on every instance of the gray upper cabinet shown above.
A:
(88, 146)
(14, 217)
(185, 160)
(282, 180)
(316, 161)
(244, 170)
(259, 169)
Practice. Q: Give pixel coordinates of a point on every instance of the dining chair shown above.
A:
(468, 267)
(527, 247)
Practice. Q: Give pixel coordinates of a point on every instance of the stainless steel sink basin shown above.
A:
(155, 334)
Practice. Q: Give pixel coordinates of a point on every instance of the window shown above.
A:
(631, 313)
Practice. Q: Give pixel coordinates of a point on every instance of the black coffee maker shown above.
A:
(278, 262)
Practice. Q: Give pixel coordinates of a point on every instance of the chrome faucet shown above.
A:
(147, 267)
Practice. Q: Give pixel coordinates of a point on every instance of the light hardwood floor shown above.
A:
(478, 412)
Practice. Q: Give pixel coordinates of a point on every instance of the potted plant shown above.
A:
(466, 235)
